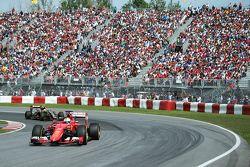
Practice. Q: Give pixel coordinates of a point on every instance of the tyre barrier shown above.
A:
(131, 103)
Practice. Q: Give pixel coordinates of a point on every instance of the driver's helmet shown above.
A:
(43, 108)
(67, 120)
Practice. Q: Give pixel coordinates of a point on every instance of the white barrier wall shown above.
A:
(5, 99)
(28, 100)
(141, 103)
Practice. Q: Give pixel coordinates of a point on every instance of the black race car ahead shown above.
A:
(43, 114)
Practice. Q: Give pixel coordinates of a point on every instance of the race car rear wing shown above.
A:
(79, 114)
(35, 106)
(76, 114)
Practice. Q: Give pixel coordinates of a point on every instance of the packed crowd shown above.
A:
(45, 39)
(124, 46)
(10, 22)
(219, 44)
(219, 48)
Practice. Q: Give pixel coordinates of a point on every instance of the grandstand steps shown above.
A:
(8, 41)
(40, 78)
(182, 28)
(87, 38)
(244, 82)
(13, 43)
(96, 42)
(160, 52)
(185, 46)
(62, 57)
(176, 34)
(4, 42)
(138, 80)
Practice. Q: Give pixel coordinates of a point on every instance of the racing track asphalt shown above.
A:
(127, 140)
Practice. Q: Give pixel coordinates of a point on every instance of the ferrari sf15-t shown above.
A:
(67, 131)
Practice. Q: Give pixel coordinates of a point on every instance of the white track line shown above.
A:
(236, 145)
(12, 131)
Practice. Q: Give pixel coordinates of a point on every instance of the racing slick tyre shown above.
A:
(60, 116)
(94, 131)
(43, 116)
(28, 115)
(81, 131)
(37, 131)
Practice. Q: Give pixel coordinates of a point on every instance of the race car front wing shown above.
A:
(68, 140)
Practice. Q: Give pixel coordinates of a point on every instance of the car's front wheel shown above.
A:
(37, 131)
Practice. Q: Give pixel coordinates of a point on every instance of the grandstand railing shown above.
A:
(119, 82)
(85, 81)
(174, 82)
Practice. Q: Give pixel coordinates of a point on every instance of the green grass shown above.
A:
(240, 124)
(3, 122)
(3, 131)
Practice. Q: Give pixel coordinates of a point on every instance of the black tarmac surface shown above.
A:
(127, 140)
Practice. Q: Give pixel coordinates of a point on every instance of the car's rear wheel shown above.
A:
(60, 116)
(28, 114)
(81, 131)
(94, 131)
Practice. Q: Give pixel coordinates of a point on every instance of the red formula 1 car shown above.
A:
(67, 131)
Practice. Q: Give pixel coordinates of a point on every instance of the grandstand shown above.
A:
(95, 52)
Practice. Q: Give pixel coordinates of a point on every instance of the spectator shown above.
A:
(219, 48)
(125, 46)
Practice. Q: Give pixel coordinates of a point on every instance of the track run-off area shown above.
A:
(127, 139)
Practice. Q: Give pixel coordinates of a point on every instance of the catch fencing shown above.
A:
(209, 91)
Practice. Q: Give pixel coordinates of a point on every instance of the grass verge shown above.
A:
(240, 124)
(3, 123)
(3, 131)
